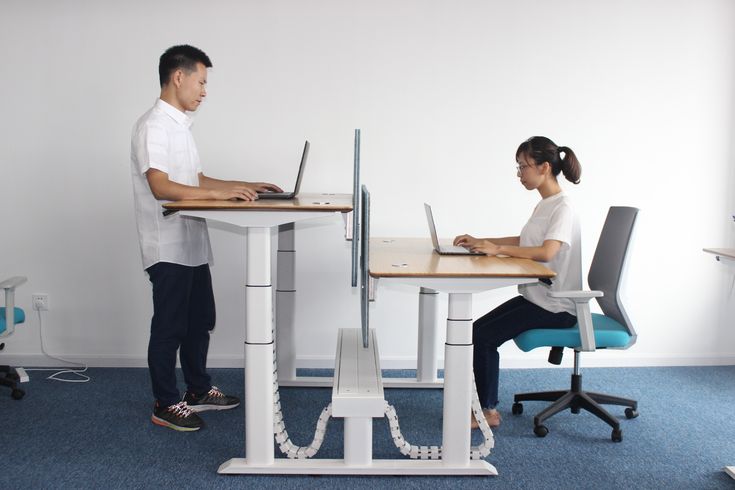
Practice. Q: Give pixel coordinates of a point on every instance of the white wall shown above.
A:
(641, 90)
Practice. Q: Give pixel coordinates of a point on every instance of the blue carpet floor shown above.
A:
(98, 435)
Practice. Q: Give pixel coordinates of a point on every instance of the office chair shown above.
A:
(611, 330)
(10, 316)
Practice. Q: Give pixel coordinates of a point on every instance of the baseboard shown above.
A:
(528, 362)
(591, 361)
(39, 360)
(313, 362)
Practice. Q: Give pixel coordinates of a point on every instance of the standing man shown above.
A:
(176, 252)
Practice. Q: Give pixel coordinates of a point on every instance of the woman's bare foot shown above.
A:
(492, 416)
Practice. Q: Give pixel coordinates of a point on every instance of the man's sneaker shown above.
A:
(214, 399)
(178, 417)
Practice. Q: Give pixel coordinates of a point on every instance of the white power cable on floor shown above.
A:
(78, 372)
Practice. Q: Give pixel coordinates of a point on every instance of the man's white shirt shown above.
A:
(162, 140)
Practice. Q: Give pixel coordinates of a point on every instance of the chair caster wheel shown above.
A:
(617, 435)
(540, 430)
(517, 408)
(17, 394)
(631, 413)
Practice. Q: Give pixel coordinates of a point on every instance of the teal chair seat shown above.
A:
(608, 334)
(20, 317)
(9, 376)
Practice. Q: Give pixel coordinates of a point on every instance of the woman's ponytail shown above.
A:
(570, 166)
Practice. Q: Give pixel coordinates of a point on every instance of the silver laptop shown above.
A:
(450, 250)
(290, 195)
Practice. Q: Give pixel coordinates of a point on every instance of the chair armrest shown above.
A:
(584, 316)
(576, 295)
(13, 282)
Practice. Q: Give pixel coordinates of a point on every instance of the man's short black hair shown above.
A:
(185, 57)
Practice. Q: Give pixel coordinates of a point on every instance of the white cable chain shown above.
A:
(279, 427)
(434, 452)
(414, 452)
(483, 450)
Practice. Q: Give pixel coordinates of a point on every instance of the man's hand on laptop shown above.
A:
(264, 187)
(246, 191)
(236, 191)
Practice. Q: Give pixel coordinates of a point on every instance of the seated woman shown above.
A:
(551, 236)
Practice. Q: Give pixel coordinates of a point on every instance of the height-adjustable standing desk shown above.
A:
(413, 261)
(258, 217)
(727, 257)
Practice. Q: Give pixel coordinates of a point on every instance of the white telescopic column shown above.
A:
(286, 303)
(457, 381)
(259, 443)
(427, 364)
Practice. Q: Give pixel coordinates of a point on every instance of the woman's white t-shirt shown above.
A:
(554, 219)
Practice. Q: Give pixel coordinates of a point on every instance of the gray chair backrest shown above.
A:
(608, 264)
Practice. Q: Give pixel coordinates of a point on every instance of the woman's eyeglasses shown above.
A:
(521, 168)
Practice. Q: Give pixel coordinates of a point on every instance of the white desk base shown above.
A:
(259, 440)
(457, 394)
(376, 467)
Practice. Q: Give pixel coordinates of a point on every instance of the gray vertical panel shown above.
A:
(365, 267)
(356, 208)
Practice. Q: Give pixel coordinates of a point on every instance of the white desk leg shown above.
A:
(259, 442)
(428, 362)
(286, 302)
(358, 441)
(286, 313)
(428, 356)
(457, 381)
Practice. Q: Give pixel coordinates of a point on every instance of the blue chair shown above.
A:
(10, 316)
(611, 330)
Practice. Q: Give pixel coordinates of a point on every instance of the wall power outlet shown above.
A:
(40, 301)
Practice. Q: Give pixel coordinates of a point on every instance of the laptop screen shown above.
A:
(301, 167)
(432, 228)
